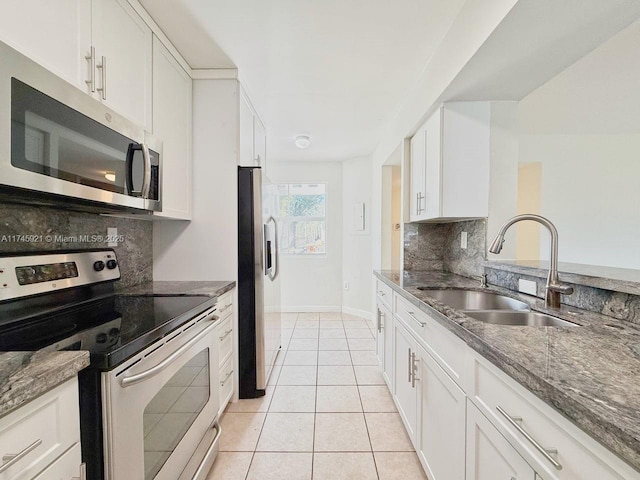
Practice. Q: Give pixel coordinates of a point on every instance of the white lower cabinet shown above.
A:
(466, 417)
(441, 421)
(489, 455)
(405, 391)
(65, 468)
(226, 342)
(384, 346)
(43, 436)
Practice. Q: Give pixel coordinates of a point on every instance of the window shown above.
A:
(302, 209)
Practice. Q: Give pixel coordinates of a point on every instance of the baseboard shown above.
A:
(311, 308)
(357, 312)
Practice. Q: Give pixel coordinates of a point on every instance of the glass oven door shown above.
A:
(161, 404)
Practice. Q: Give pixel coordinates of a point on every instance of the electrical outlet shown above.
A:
(527, 286)
(463, 240)
(346, 285)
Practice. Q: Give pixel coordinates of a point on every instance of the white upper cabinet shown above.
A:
(172, 96)
(253, 137)
(123, 59)
(57, 34)
(449, 165)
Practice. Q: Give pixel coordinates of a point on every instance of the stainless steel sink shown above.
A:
(530, 319)
(473, 300)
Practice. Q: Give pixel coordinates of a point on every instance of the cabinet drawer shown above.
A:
(448, 350)
(578, 455)
(64, 468)
(226, 383)
(225, 305)
(43, 429)
(384, 293)
(225, 339)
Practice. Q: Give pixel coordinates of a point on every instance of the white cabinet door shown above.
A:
(417, 180)
(380, 334)
(245, 155)
(387, 371)
(172, 124)
(489, 455)
(57, 34)
(433, 165)
(441, 421)
(405, 391)
(259, 144)
(124, 40)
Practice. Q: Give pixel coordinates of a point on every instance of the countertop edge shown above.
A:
(608, 434)
(35, 373)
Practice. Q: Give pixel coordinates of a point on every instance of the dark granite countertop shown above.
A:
(204, 288)
(590, 374)
(26, 375)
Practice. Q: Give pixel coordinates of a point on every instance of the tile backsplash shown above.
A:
(28, 228)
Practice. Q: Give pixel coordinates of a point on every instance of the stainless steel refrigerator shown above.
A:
(259, 311)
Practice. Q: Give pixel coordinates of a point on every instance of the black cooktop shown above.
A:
(113, 328)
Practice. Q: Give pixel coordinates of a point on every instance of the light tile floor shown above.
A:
(327, 414)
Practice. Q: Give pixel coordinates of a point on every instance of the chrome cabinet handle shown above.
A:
(418, 203)
(146, 186)
(11, 459)
(409, 365)
(379, 317)
(381, 293)
(226, 378)
(103, 71)
(414, 369)
(142, 376)
(226, 307)
(257, 160)
(422, 324)
(92, 65)
(226, 334)
(83, 472)
(546, 452)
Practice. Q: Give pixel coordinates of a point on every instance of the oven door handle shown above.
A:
(142, 376)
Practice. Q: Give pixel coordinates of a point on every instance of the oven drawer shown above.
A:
(225, 305)
(225, 339)
(226, 383)
(40, 431)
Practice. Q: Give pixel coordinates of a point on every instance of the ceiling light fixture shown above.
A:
(111, 176)
(302, 141)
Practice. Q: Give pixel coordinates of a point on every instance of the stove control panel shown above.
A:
(24, 275)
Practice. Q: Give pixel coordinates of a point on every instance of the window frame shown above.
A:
(284, 221)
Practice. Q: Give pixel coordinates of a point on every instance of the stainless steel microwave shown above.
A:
(56, 139)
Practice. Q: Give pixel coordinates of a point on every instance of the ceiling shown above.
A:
(336, 70)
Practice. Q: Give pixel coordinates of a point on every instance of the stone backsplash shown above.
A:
(436, 246)
(58, 229)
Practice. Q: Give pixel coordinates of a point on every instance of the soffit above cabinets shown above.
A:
(337, 71)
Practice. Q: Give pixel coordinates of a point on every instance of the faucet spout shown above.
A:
(553, 288)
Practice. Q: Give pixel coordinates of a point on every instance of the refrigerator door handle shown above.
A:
(271, 256)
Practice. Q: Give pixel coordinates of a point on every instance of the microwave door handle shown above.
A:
(129, 168)
(146, 186)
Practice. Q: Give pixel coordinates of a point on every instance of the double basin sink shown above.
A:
(495, 309)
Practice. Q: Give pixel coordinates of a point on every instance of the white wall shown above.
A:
(357, 269)
(474, 24)
(206, 248)
(583, 128)
(314, 282)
